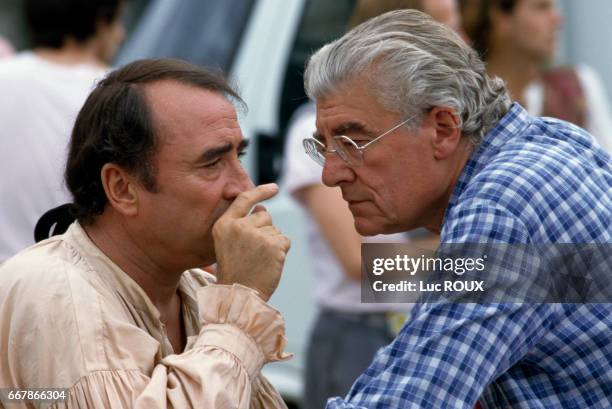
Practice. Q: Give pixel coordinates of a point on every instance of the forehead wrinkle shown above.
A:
(173, 106)
(221, 122)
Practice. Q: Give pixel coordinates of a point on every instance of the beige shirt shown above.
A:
(70, 318)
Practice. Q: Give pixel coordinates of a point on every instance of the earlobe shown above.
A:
(120, 189)
(447, 132)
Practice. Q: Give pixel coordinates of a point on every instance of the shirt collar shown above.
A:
(513, 123)
(129, 290)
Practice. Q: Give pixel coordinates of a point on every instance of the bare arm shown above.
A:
(335, 221)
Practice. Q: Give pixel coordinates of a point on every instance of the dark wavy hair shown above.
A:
(115, 126)
(476, 17)
(50, 22)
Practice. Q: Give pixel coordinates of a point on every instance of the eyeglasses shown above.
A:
(345, 147)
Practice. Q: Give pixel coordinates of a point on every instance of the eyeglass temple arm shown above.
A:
(386, 133)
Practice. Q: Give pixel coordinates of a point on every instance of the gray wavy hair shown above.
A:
(413, 64)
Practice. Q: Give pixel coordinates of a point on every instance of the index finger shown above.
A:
(247, 199)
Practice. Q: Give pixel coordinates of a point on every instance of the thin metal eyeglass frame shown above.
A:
(319, 157)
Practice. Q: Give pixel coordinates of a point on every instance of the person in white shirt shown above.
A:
(517, 40)
(42, 90)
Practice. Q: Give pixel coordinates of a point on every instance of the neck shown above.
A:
(456, 166)
(72, 53)
(160, 283)
(516, 69)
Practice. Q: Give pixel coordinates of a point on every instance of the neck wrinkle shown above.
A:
(160, 284)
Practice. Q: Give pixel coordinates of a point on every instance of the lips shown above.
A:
(357, 207)
(352, 199)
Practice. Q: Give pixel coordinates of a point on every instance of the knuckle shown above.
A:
(241, 201)
(287, 243)
(239, 224)
(266, 220)
(218, 227)
(247, 196)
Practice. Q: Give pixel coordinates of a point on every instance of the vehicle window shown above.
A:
(322, 21)
(204, 32)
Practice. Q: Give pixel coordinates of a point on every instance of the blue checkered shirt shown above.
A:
(531, 180)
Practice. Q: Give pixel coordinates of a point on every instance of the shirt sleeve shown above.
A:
(240, 333)
(447, 353)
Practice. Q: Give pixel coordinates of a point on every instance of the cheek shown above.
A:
(387, 184)
(533, 28)
(387, 202)
(207, 203)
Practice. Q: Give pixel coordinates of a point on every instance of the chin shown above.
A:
(367, 227)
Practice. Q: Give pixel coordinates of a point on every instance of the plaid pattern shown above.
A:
(536, 181)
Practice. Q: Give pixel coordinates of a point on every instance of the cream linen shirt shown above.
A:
(71, 318)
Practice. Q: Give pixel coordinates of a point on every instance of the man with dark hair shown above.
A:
(116, 309)
(42, 90)
(63, 24)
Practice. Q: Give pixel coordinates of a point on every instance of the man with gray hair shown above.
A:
(415, 134)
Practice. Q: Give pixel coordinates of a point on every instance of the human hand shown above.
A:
(250, 250)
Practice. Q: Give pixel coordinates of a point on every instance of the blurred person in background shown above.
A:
(444, 11)
(517, 40)
(41, 92)
(6, 48)
(346, 333)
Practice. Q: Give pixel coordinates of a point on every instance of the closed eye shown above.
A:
(360, 142)
(213, 164)
(217, 162)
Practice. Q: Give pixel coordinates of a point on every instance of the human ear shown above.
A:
(120, 189)
(447, 131)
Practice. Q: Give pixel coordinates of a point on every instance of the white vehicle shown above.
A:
(262, 45)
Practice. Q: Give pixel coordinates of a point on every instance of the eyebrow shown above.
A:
(213, 153)
(351, 127)
(343, 129)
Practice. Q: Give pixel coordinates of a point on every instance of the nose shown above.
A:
(336, 171)
(238, 182)
(556, 15)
